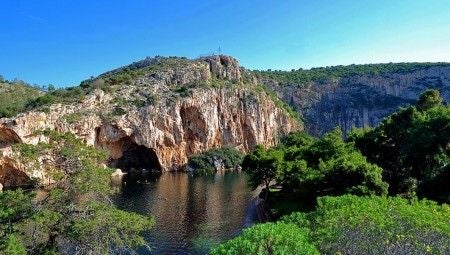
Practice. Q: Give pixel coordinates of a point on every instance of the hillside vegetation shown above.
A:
(334, 190)
(73, 214)
(317, 74)
(16, 96)
(351, 225)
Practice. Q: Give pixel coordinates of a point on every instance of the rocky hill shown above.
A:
(153, 114)
(156, 112)
(357, 95)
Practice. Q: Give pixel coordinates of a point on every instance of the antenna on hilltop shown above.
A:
(219, 50)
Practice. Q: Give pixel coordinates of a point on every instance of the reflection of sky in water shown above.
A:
(191, 213)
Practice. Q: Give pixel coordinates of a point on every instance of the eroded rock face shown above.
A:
(166, 132)
(360, 101)
(224, 67)
(11, 173)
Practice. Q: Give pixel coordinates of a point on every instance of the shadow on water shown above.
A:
(192, 213)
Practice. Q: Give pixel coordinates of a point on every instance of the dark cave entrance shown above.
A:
(137, 158)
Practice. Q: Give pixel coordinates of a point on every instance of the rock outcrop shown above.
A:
(359, 100)
(187, 114)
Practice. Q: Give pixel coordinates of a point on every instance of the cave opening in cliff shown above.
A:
(137, 158)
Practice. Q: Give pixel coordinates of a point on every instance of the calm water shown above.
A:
(192, 213)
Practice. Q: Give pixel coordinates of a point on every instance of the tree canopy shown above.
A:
(73, 215)
(412, 146)
(312, 167)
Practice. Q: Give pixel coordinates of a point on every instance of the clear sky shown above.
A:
(65, 41)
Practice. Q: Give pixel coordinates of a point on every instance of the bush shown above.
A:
(204, 164)
(269, 238)
(377, 225)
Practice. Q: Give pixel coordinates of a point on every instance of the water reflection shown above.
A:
(191, 213)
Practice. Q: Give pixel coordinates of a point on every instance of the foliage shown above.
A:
(62, 96)
(269, 238)
(412, 146)
(263, 166)
(429, 99)
(377, 225)
(75, 214)
(72, 118)
(301, 76)
(204, 163)
(15, 96)
(311, 167)
(13, 246)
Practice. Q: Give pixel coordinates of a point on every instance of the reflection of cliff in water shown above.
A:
(191, 213)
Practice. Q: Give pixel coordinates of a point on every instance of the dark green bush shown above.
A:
(203, 164)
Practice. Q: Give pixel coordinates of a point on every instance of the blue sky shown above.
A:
(65, 41)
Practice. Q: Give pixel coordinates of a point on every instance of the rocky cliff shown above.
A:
(155, 113)
(358, 100)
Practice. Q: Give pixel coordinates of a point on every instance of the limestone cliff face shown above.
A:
(362, 100)
(193, 117)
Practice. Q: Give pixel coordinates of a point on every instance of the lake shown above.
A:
(192, 214)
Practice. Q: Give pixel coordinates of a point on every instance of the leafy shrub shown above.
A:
(269, 238)
(377, 225)
(204, 164)
(72, 118)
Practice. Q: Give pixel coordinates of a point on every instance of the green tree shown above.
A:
(50, 87)
(411, 146)
(76, 213)
(429, 99)
(328, 166)
(262, 166)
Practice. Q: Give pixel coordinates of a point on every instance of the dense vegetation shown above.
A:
(75, 214)
(270, 238)
(207, 162)
(351, 225)
(412, 146)
(301, 76)
(309, 167)
(15, 96)
(377, 225)
(407, 153)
